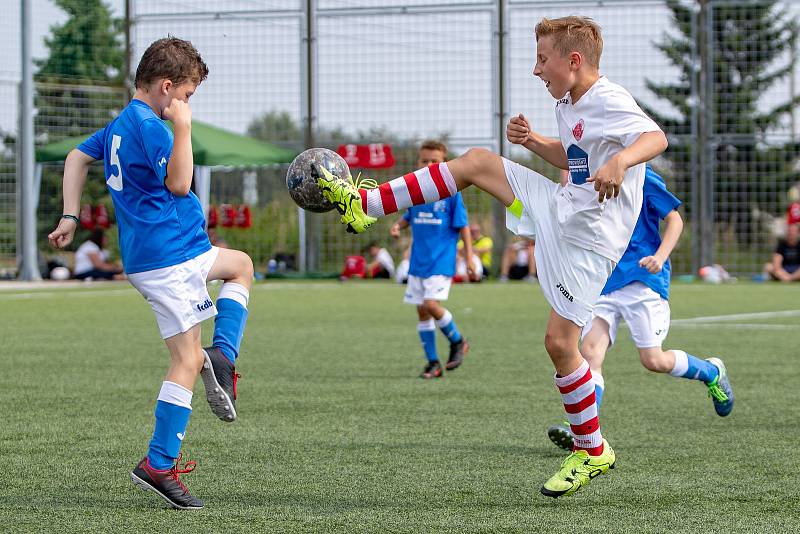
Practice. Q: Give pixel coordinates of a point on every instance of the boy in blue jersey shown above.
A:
(166, 251)
(638, 292)
(435, 230)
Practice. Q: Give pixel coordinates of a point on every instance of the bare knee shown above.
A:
(656, 360)
(244, 270)
(594, 353)
(478, 158)
(558, 347)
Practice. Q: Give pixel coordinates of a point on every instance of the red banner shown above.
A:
(372, 156)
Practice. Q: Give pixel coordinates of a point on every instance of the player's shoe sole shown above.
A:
(561, 436)
(219, 378)
(343, 193)
(720, 389)
(578, 470)
(457, 353)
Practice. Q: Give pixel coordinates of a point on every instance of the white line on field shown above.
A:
(738, 326)
(737, 317)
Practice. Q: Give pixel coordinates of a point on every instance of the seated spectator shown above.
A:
(481, 246)
(382, 264)
(518, 262)
(461, 268)
(401, 272)
(91, 259)
(785, 264)
(354, 267)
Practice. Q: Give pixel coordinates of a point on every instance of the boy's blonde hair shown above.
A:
(574, 34)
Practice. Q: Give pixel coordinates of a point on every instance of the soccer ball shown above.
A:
(301, 178)
(59, 273)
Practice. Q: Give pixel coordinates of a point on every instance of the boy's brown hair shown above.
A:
(432, 144)
(579, 34)
(171, 59)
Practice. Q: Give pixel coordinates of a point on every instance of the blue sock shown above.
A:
(427, 333)
(688, 366)
(598, 395)
(231, 319)
(173, 409)
(448, 327)
(599, 388)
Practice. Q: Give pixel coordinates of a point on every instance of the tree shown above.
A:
(750, 43)
(79, 84)
(79, 89)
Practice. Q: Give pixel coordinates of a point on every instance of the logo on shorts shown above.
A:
(204, 306)
(577, 131)
(564, 292)
(658, 332)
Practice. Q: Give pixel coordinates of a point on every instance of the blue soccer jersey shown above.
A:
(657, 204)
(435, 231)
(156, 228)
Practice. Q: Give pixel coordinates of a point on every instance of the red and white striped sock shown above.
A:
(577, 394)
(422, 186)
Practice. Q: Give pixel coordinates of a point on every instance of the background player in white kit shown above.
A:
(582, 226)
(638, 292)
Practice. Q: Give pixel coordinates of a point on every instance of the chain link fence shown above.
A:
(719, 76)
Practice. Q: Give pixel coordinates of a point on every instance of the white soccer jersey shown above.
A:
(603, 122)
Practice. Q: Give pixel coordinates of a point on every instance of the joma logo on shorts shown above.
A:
(564, 291)
(204, 306)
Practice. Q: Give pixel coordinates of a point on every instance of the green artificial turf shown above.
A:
(337, 434)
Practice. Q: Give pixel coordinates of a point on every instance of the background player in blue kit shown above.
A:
(166, 252)
(638, 292)
(435, 230)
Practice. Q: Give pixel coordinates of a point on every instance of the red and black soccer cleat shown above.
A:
(432, 370)
(457, 353)
(167, 484)
(219, 377)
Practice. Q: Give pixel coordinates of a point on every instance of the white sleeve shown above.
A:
(624, 119)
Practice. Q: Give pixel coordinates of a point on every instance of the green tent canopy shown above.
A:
(211, 146)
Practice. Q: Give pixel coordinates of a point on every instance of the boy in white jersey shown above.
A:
(166, 251)
(581, 226)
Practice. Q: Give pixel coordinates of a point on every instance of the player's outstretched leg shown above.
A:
(360, 206)
(219, 371)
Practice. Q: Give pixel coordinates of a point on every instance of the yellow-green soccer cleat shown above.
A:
(578, 470)
(343, 193)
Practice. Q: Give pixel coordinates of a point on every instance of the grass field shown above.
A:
(336, 433)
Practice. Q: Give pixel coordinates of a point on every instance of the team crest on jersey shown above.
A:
(577, 131)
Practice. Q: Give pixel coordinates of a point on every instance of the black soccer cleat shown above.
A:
(432, 370)
(457, 353)
(561, 436)
(167, 484)
(219, 377)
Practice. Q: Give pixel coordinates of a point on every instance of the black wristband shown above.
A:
(71, 218)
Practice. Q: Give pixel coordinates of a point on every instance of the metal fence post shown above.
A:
(500, 21)
(29, 270)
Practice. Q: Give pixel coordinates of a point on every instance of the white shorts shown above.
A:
(571, 277)
(644, 311)
(418, 290)
(178, 293)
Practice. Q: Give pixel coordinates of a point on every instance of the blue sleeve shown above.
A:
(157, 143)
(460, 216)
(657, 197)
(407, 216)
(93, 146)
